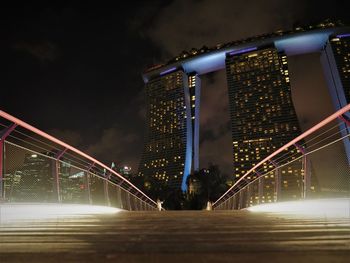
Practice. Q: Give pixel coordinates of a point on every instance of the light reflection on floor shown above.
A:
(320, 208)
(24, 212)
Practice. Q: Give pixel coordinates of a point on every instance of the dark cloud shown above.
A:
(185, 24)
(44, 51)
(217, 151)
(215, 130)
(114, 144)
(73, 138)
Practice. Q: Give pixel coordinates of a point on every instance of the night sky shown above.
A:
(76, 72)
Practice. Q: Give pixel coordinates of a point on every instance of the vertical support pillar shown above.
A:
(260, 186)
(56, 173)
(106, 192)
(87, 184)
(261, 189)
(87, 187)
(248, 189)
(277, 184)
(2, 192)
(196, 123)
(105, 188)
(56, 181)
(277, 190)
(241, 199)
(4, 133)
(193, 84)
(306, 176)
(128, 201)
(234, 202)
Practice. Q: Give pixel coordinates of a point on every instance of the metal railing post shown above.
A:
(1, 170)
(4, 133)
(248, 190)
(306, 175)
(277, 184)
(56, 172)
(261, 189)
(87, 184)
(277, 188)
(106, 192)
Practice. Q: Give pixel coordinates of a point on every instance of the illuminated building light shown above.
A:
(77, 175)
(324, 208)
(241, 51)
(343, 35)
(168, 71)
(252, 55)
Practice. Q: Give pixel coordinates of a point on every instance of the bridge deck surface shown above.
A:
(177, 236)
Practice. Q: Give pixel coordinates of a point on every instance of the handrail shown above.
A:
(300, 137)
(69, 147)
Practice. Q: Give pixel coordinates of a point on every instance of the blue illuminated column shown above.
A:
(196, 125)
(189, 140)
(192, 98)
(194, 84)
(335, 61)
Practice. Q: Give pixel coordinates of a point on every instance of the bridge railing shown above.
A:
(313, 165)
(37, 167)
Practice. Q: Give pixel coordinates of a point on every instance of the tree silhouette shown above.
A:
(207, 184)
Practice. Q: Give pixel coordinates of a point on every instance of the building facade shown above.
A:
(262, 114)
(170, 149)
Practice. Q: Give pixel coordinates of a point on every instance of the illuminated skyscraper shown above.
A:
(36, 181)
(262, 114)
(170, 149)
(335, 59)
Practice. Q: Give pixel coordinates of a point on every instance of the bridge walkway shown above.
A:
(177, 236)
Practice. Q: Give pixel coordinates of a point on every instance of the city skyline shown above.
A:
(41, 53)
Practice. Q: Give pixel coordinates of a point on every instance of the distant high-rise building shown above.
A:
(262, 114)
(335, 59)
(170, 149)
(36, 181)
